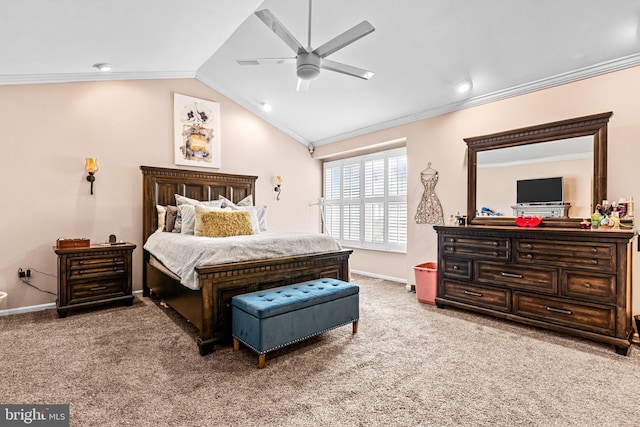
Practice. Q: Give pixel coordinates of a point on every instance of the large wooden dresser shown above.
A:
(563, 279)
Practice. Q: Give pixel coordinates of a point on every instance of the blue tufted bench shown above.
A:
(267, 320)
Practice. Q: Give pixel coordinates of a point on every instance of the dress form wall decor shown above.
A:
(429, 209)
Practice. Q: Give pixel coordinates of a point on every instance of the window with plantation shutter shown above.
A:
(365, 200)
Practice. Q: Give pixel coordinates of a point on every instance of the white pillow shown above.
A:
(162, 212)
(258, 215)
(183, 200)
(187, 214)
(247, 201)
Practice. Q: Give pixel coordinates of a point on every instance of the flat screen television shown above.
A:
(543, 190)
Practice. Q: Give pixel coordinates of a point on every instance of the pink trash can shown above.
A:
(426, 282)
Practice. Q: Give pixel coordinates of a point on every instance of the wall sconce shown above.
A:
(277, 189)
(91, 166)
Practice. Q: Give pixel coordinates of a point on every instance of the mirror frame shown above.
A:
(595, 125)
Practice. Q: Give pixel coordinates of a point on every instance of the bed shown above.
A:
(209, 307)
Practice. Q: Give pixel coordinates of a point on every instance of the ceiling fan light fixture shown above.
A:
(464, 86)
(308, 66)
(102, 66)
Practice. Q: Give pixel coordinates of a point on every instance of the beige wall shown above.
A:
(439, 140)
(47, 130)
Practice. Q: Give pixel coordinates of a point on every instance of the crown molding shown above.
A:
(18, 79)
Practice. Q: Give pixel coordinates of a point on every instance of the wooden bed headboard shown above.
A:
(160, 185)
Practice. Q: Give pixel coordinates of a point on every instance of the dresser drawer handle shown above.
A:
(116, 259)
(81, 262)
(514, 275)
(528, 256)
(81, 272)
(559, 310)
(473, 294)
(449, 249)
(455, 267)
(529, 246)
(594, 261)
(496, 244)
(587, 285)
(594, 250)
(495, 253)
(115, 268)
(451, 240)
(98, 288)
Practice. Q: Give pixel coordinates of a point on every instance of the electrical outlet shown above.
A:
(22, 273)
(28, 272)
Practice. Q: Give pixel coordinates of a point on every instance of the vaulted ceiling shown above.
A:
(419, 51)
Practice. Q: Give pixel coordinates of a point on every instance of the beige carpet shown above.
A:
(410, 364)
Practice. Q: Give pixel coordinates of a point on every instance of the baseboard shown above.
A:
(39, 307)
(379, 276)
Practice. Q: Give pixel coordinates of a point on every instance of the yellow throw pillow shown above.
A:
(225, 223)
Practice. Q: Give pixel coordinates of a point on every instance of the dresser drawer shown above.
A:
(539, 279)
(598, 319)
(81, 268)
(88, 291)
(592, 256)
(591, 286)
(456, 268)
(493, 298)
(476, 247)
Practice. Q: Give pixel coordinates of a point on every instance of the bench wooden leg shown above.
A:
(355, 327)
(261, 361)
(236, 344)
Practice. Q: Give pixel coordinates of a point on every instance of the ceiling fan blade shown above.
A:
(346, 69)
(276, 26)
(344, 39)
(264, 61)
(303, 85)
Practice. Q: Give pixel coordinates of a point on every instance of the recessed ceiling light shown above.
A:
(464, 86)
(266, 107)
(102, 66)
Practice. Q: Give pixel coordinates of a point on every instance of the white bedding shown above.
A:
(182, 253)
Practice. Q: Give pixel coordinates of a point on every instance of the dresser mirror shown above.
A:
(574, 149)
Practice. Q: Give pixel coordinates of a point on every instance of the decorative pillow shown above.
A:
(161, 216)
(226, 223)
(201, 210)
(183, 200)
(170, 217)
(187, 201)
(187, 219)
(247, 201)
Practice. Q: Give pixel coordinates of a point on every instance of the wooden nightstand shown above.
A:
(93, 276)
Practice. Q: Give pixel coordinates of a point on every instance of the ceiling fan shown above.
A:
(309, 61)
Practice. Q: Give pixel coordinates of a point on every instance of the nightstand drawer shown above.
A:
(81, 268)
(91, 290)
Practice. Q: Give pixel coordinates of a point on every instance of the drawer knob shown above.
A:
(594, 261)
(559, 310)
(496, 244)
(81, 262)
(452, 240)
(514, 275)
(594, 250)
(115, 268)
(529, 246)
(81, 272)
(98, 288)
(495, 253)
(587, 285)
(455, 267)
(450, 249)
(116, 259)
(473, 294)
(528, 256)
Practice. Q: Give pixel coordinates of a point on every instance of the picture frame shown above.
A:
(196, 132)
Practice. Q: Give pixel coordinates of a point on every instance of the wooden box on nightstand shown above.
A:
(94, 275)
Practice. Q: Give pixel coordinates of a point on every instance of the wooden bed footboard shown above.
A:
(209, 309)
